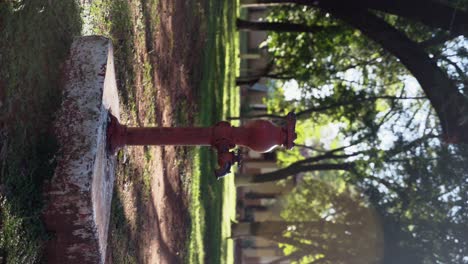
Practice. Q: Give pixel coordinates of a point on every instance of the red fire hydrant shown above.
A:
(258, 135)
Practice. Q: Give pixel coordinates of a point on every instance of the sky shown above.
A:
(291, 90)
(386, 135)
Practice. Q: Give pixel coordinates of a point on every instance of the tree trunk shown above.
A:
(272, 229)
(259, 208)
(441, 91)
(258, 3)
(261, 229)
(247, 80)
(256, 195)
(279, 26)
(293, 170)
(284, 173)
(254, 78)
(244, 180)
(431, 13)
(251, 80)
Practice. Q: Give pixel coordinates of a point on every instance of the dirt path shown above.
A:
(174, 58)
(157, 219)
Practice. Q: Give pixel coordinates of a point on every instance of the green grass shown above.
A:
(126, 248)
(34, 42)
(113, 19)
(213, 202)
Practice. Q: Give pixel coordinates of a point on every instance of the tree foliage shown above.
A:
(349, 231)
(369, 48)
(411, 213)
(358, 72)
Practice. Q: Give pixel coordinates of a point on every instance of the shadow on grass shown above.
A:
(120, 234)
(125, 241)
(211, 191)
(36, 36)
(122, 37)
(149, 10)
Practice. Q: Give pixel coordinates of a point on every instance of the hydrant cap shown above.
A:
(290, 130)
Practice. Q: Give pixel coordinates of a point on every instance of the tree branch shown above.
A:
(328, 155)
(459, 71)
(437, 40)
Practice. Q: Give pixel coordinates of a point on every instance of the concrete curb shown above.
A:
(78, 197)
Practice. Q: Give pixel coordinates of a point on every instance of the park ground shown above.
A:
(176, 63)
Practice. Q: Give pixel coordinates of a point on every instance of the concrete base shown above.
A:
(78, 197)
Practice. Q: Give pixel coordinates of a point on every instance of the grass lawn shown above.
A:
(213, 202)
(35, 38)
